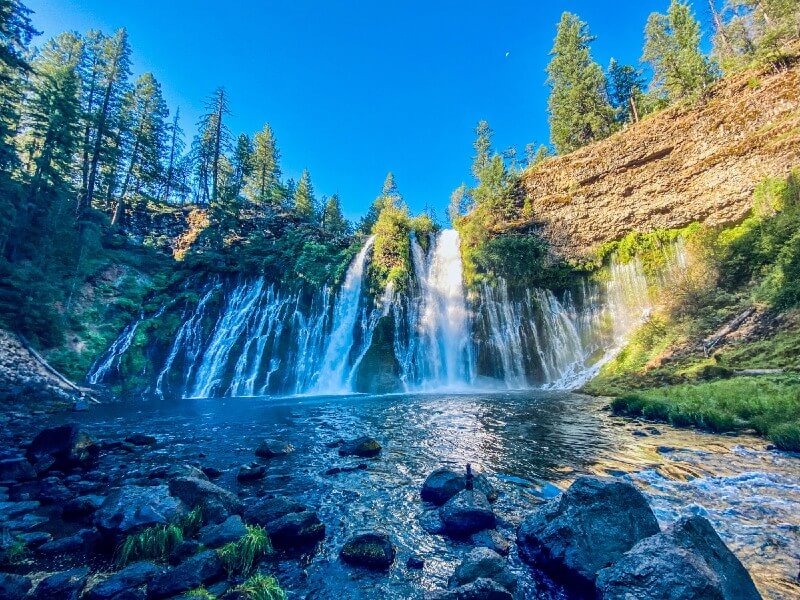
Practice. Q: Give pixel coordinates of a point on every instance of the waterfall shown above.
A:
(333, 374)
(110, 359)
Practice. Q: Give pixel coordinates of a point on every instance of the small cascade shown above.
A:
(335, 367)
(110, 359)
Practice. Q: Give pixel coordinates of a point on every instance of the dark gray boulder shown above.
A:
(373, 550)
(688, 560)
(141, 439)
(183, 551)
(296, 530)
(480, 589)
(66, 585)
(252, 472)
(442, 484)
(16, 469)
(483, 563)
(82, 506)
(62, 448)
(129, 578)
(264, 510)
(14, 587)
(230, 530)
(273, 449)
(194, 572)
(365, 447)
(216, 503)
(466, 513)
(132, 507)
(587, 528)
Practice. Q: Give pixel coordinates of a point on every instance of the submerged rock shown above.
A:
(686, 561)
(480, 589)
(14, 587)
(466, 513)
(217, 504)
(483, 563)
(16, 469)
(265, 510)
(273, 449)
(586, 529)
(296, 530)
(415, 563)
(252, 472)
(370, 550)
(67, 585)
(62, 448)
(141, 439)
(133, 507)
(365, 447)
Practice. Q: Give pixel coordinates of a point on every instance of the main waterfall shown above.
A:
(247, 337)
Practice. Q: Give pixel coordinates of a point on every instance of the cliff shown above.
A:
(686, 164)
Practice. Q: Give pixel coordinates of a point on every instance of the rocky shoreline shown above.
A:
(76, 520)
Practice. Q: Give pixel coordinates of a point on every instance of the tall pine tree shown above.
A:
(261, 187)
(304, 202)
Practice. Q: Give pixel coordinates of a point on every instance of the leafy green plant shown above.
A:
(241, 556)
(262, 587)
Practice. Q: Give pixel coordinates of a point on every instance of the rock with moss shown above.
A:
(379, 371)
(371, 550)
(364, 447)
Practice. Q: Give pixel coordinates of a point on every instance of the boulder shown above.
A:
(466, 513)
(252, 472)
(686, 561)
(211, 472)
(482, 563)
(442, 484)
(264, 510)
(141, 439)
(183, 551)
(273, 448)
(62, 448)
(132, 507)
(379, 371)
(82, 506)
(196, 571)
(371, 550)
(66, 585)
(480, 589)
(66, 545)
(296, 530)
(492, 539)
(587, 528)
(14, 587)
(365, 447)
(129, 578)
(216, 503)
(230, 530)
(415, 563)
(16, 469)
(52, 491)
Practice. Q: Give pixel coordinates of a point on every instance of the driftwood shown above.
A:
(713, 341)
(82, 392)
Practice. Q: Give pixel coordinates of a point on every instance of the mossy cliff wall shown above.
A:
(698, 162)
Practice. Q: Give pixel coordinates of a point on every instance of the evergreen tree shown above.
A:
(672, 49)
(174, 158)
(536, 154)
(460, 203)
(210, 145)
(333, 220)
(626, 85)
(242, 166)
(304, 202)
(483, 148)
(262, 185)
(389, 193)
(578, 106)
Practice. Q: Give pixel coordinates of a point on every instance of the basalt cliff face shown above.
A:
(690, 163)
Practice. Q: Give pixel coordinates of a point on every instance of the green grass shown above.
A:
(262, 587)
(241, 556)
(157, 542)
(768, 405)
(201, 593)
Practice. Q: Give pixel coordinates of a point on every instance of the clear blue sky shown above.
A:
(354, 89)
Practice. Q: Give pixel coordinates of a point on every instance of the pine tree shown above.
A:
(483, 148)
(626, 86)
(672, 49)
(174, 155)
(210, 145)
(460, 203)
(261, 187)
(304, 202)
(578, 106)
(242, 166)
(333, 220)
(389, 193)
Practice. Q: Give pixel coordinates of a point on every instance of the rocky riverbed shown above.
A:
(369, 497)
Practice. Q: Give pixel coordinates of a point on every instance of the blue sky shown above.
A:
(354, 89)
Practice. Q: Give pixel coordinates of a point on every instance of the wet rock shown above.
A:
(442, 484)
(296, 530)
(415, 563)
(63, 448)
(183, 551)
(364, 447)
(34, 539)
(216, 503)
(80, 406)
(686, 561)
(211, 472)
(379, 371)
(586, 529)
(493, 540)
(431, 522)
(66, 545)
(132, 576)
(82, 506)
(175, 471)
(466, 513)
(133, 507)
(193, 573)
(230, 530)
(273, 449)
(14, 587)
(9, 510)
(483, 563)
(480, 589)
(371, 550)
(252, 472)
(140, 439)
(337, 470)
(52, 491)
(265, 510)
(16, 469)
(64, 586)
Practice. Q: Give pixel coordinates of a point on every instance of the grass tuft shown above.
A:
(262, 587)
(157, 542)
(241, 556)
(201, 593)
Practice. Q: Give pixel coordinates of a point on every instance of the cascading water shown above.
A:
(112, 356)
